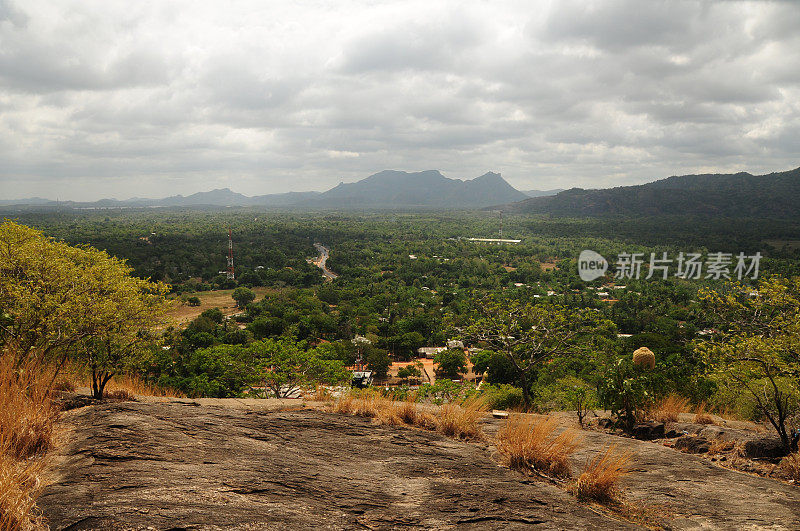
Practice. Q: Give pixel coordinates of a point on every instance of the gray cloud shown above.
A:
(117, 99)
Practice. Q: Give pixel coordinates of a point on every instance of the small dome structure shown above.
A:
(643, 357)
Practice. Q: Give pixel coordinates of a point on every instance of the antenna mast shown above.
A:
(501, 224)
(230, 273)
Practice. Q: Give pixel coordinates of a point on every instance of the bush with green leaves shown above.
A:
(569, 394)
(626, 390)
(501, 396)
(446, 391)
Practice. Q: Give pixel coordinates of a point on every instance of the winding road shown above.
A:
(321, 260)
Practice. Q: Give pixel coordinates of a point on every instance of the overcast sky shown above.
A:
(105, 98)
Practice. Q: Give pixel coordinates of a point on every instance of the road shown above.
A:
(321, 260)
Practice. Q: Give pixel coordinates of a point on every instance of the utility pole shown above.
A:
(230, 273)
(501, 224)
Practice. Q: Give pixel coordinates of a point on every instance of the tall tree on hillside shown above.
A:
(529, 335)
(58, 299)
(757, 348)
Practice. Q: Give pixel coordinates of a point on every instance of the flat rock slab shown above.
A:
(172, 465)
(694, 492)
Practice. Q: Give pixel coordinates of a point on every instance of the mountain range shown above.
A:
(776, 195)
(386, 189)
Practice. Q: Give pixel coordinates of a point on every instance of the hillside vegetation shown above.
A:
(776, 195)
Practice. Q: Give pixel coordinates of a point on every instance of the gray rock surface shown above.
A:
(186, 465)
(694, 492)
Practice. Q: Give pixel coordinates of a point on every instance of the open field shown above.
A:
(181, 313)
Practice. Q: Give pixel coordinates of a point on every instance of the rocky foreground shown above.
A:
(225, 464)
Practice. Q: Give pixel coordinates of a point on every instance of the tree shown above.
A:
(410, 371)
(499, 367)
(193, 301)
(757, 349)
(243, 296)
(530, 335)
(452, 363)
(378, 361)
(284, 366)
(62, 299)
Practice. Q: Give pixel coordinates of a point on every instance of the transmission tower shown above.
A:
(230, 273)
(501, 224)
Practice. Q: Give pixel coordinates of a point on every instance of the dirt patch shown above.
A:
(180, 314)
(180, 464)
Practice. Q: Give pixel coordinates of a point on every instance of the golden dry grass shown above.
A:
(120, 395)
(791, 466)
(530, 444)
(27, 412)
(718, 446)
(321, 394)
(20, 486)
(452, 420)
(27, 419)
(701, 416)
(368, 404)
(668, 409)
(461, 422)
(600, 481)
(134, 386)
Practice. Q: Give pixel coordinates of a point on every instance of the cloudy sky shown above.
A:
(105, 98)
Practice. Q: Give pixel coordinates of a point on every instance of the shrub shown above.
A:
(626, 390)
(569, 393)
(501, 396)
(529, 444)
(600, 481)
(668, 408)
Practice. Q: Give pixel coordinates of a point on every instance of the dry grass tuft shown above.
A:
(600, 481)
(120, 395)
(701, 416)
(369, 405)
(136, 387)
(668, 409)
(718, 446)
(529, 444)
(321, 394)
(20, 485)
(27, 412)
(27, 419)
(791, 466)
(461, 422)
(64, 386)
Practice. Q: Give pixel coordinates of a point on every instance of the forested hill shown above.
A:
(776, 195)
(430, 188)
